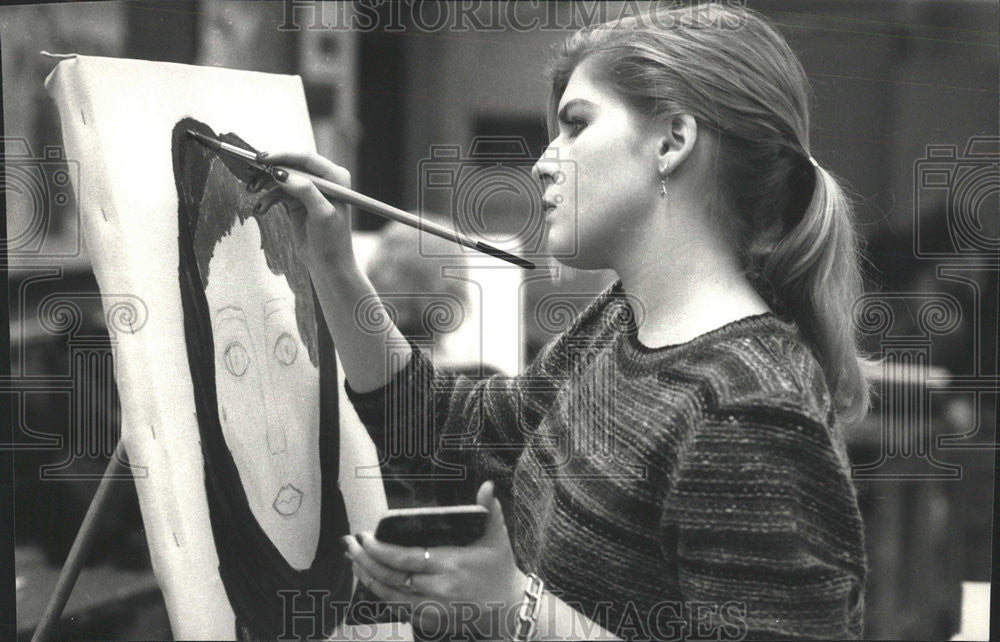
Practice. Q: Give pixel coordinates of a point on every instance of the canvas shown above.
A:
(234, 414)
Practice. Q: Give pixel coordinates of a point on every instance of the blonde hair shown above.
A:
(791, 223)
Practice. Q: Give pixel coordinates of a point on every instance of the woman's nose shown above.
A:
(546, 168)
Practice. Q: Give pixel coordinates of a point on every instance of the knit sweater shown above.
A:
(691, 490)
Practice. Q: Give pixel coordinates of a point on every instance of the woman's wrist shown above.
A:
(519, 580)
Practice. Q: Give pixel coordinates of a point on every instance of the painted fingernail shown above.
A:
(279, 174)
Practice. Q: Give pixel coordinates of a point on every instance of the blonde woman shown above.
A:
(672, 466)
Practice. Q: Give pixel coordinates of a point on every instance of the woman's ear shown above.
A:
(678, 134)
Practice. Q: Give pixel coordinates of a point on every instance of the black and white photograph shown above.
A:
(514, 320)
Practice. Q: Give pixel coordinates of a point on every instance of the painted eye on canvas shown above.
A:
(286, 349)
(236, 358)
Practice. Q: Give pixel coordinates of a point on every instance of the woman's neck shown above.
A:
(685, 290)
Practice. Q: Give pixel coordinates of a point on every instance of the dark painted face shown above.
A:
(264, 378)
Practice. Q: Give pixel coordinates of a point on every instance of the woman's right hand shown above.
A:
(322, 237)
(322, 230)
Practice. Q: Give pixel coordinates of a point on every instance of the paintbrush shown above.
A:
(229, 152)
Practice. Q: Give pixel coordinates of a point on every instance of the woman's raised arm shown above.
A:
(322, 235)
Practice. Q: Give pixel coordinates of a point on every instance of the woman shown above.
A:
(672, 465)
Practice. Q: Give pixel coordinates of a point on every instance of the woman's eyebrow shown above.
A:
(573, 103)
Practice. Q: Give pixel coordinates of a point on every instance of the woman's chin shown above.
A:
(571, 255)
(559, 244)
(565, 246)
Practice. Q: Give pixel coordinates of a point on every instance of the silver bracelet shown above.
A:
(527, 613)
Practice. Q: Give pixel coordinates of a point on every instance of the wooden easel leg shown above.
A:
(81, 546)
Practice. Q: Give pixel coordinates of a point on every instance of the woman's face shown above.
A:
(600, 176)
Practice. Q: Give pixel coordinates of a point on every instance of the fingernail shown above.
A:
(261, 156)
(279, 174)
(348, 556)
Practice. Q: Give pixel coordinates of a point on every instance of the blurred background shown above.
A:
(418, 107)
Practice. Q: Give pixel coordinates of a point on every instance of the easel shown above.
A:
(81, 546)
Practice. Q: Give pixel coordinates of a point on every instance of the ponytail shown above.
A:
(814, 274)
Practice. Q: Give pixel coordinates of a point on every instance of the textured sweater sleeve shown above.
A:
(455, 431)
(450, 430)
(763, 521)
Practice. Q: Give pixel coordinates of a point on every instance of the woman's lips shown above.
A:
(549, 205)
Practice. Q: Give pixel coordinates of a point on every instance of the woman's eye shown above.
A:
(236, 358)
(575, 127)
(285, 349)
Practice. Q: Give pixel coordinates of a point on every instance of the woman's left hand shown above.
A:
(446, 587)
